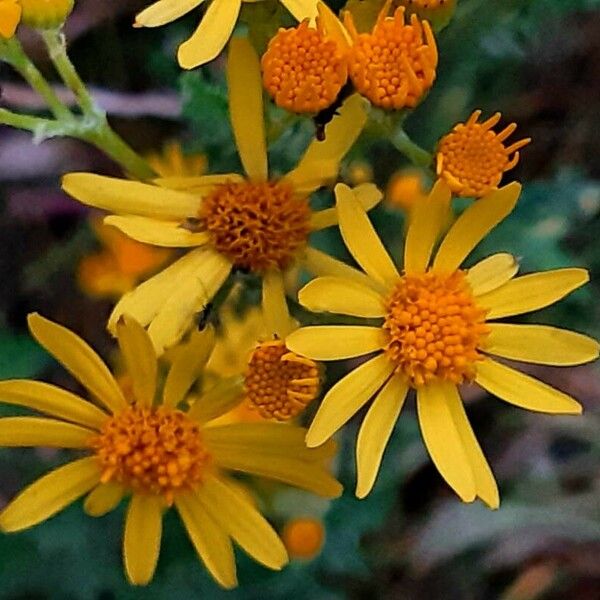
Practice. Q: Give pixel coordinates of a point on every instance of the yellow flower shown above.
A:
(117, 268)
(303, 537)
(172, 162)
(158, 453)
(10, 16)
(405, 189)
(216, 26)
(228, 221)
(437, 12)
(437, 331)
(472, 158)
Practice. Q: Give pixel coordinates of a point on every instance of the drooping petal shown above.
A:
(140, 359)
(347, 396)
(141, 540)
(336, 342)
(443, 441)
(212, 34)
(522, 390)
(236, 515)
(79, 359)
(164, 11)
(473, 225)
(125, 197)
(169, 234)
(301, 9)
(211, 541)
(50, 494)
(104, 498)
(53, 401)
(375, 433)
(342, 296)
(492, 272)
(361, 238)
(221, 398)
(188, 366)
(531, 292)
(274, 304)
(35, 431)
(246, 107)
(540, 344)
(427, 221)
(485, 483)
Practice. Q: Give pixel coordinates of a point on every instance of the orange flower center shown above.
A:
(303, 69)
(472, 157)
(435, 328)
(258, 226)
(394, 65)
(303, 537)
(151, 450)
(280, 384)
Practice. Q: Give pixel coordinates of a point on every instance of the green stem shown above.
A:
(12, 52)
(41, 128)
(417, 155)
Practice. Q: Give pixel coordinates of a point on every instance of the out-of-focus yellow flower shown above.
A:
(146, 447)
(472, 158)
(120, 265)
(437, 330)
(216, 26)
(359, 172)
(303, 537)
(227, 221)
(406, 189)
(172, 162)
(45, 14)
(437, 12)
(10, 16)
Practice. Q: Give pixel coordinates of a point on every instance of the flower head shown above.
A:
(472, 158)
(437, 12)
(10, 16)
(229, 221)
(172, 162)
(45, 14)
(303, 537)
(437, 329)
(406, 189)
(149, 446)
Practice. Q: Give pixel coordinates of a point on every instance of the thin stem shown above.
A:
(12, 52)
(417, 155)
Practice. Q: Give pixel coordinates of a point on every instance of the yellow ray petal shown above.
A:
(140, 359)
(485, 483)
(540, 344)
(524, 391)
(443, 441)
(212, 543)
(36, 431)
(164, 11)
(531, 292)
(301, 9)
(79, 359)
(246, 107)
(368, 195)
(375, 432)
(141, 540)
(130, 197)
(169, 234)
(427, 221)
(342, 296)
(212, 34)
(236, 515)
(188, 366)
(334, 29)
(361, 238)
(336, 342)
(473, 225)
(53, 401)
(176, 315)
(201, 185)
(104, 498)
(492, 272)
(321, 161)
(274, 304)
(347, 396)
(50, 494)
(218, 400)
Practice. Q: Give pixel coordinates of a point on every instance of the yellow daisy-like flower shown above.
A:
(472, 158)
(155, 451)
(250, 223)
(438, 330)
(172, 162)
(406, 189)
(216, 26)
(10, 16)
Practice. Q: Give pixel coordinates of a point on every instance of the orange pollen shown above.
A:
(151, 450)
(472, 158)
(394, 65)
(279, 384)
(303, 69)
(257, 225)
(303, 537)
(435, 328)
